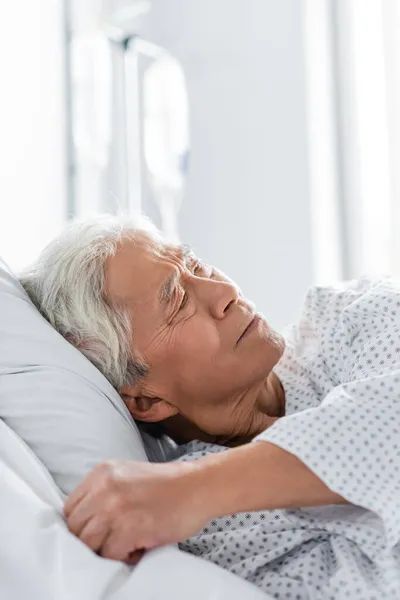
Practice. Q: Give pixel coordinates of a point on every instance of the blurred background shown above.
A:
(265, 133)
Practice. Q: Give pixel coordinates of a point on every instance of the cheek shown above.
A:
(198, 339)
(193, 347)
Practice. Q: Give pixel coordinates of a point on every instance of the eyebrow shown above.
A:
(186, 251)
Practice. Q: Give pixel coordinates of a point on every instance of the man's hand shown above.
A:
(123, 508)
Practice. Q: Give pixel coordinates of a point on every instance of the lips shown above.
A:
(250, 326)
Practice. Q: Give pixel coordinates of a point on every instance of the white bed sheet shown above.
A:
(39, 558)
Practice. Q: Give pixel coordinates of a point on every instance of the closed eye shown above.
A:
(198, 267)
(184, 301)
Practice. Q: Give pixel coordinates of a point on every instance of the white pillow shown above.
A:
(54, 398)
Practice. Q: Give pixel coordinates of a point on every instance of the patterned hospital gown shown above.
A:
(341, 375)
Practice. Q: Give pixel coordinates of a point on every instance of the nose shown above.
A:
(216, 296)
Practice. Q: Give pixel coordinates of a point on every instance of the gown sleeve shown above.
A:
(351, 441)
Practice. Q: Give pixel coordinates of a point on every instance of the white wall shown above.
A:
(247, 204)
(32, 126)
(247, 207)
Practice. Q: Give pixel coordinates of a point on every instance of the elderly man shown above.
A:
(306, 420)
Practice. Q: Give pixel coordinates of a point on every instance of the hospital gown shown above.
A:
(341, 376)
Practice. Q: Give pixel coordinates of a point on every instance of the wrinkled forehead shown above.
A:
(151, 244)
(137, 269)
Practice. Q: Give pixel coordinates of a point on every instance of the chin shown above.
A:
(264, 356)
(274, 341)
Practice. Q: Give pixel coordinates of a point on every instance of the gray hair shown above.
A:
(66, 284)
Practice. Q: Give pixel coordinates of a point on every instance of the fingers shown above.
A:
(94, 533)
(112, 544)
(73, 500)
(118, 545)
(111, 514)
(91, 481)
(81, 514)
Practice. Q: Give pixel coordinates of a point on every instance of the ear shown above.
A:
(147, 409)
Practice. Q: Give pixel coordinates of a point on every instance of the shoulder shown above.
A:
(344, 309)
(331, 300)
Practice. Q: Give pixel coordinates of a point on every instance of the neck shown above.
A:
(271, 397)
(268, 408)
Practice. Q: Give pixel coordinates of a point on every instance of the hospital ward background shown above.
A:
(265, 134)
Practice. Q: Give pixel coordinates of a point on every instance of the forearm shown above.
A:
(258, 476)
(125, 506)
